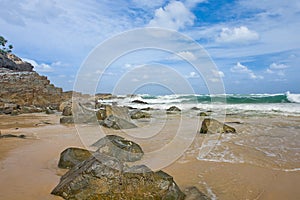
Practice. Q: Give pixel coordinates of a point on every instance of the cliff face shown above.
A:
(22, 86)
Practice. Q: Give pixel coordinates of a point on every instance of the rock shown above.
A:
(117, 123)
(214, 126)
(173, 109)
(65, 104)
(195, 108)
(101, 114)
(119, 148)
(31, 109)
(66, 120)
(72, 156)
(12, 62)
(103, 177)
(202, 114)
(192, 193)
(49, 111)
(139, 102)
(147, 109)
(67, 111)
(12, 136)
(15, 112)
(138, 114)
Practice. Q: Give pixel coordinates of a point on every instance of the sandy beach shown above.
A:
(29, 166)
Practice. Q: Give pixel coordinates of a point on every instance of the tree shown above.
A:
(4, 49)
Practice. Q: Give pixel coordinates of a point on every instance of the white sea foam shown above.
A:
(295, 98)
(186, 102)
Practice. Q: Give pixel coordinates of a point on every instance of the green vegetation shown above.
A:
(4, 49)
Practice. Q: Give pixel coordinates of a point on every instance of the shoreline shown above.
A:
(29, 166)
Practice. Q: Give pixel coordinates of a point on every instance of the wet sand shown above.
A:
(28, 167)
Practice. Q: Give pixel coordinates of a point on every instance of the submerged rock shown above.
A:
(138, 114)
(192, 193)
(103, 177)
(119, 148)
(72, 156)
(214, 126)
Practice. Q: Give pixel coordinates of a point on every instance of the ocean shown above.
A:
(287, 104)
(267, 126)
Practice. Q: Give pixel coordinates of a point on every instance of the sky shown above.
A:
(254, 44)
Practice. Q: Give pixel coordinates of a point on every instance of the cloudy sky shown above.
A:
(255, 44)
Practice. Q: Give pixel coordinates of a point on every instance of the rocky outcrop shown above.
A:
(210, 125)
(12, 62)
(22, 86)
(104, 177)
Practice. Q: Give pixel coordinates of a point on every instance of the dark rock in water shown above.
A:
(195, 108)
(67, 111)
(119, 148)
(66, 120)
(203, 114)
(173, 109)
(102, 177)
(117, 123)
(138, 114)
(147, 109)
(139, 102)
(214, 126)
(72, 156)
(192, 193)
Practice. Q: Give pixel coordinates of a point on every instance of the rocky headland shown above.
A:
(23, 90)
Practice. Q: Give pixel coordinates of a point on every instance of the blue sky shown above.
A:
(255, 44)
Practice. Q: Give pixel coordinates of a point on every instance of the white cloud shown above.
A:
(217, 73)
(173, 16)
(42, 67)
(193, 75)
(237, 35)
(278, 69)
(187, 55)
(242, 69)
(275, 66)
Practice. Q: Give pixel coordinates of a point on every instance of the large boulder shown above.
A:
(72, 156)
(103, 177)
(117, 123)
(210, 125)
(119, 148)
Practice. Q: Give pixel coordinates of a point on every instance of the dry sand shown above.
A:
(28, 167)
